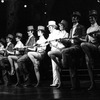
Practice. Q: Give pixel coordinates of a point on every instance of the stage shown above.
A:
(45, 92)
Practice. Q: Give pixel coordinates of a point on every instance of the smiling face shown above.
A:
(8, 40)
(61, 27)
(51, 28)
(29, 32)
(17, 39)
(92, 19)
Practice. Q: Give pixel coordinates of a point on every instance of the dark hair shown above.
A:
(95, 16)
(19, 37)
(43, 31)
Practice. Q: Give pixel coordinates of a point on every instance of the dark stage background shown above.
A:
(14, 16)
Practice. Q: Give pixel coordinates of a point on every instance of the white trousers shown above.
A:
(54, 72)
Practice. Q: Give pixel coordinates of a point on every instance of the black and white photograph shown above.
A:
(49, 49)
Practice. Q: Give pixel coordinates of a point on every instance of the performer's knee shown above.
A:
(49, 54)
(9, 58)
(83, 45)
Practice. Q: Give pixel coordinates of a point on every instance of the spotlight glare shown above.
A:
(25, 6)
(98, 1)
(2, 1)
(45, 12)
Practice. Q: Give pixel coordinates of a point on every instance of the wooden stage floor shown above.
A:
(45, 92)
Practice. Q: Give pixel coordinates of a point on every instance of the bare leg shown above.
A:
(33, 56)
(87, 48)
(90, 70)
(37, 75)
(11, 61)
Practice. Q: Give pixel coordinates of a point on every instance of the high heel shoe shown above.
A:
(56, 85)
(92, 87)
(53, 84)
(37, 85)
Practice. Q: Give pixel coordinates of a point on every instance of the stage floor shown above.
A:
(45, 92)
